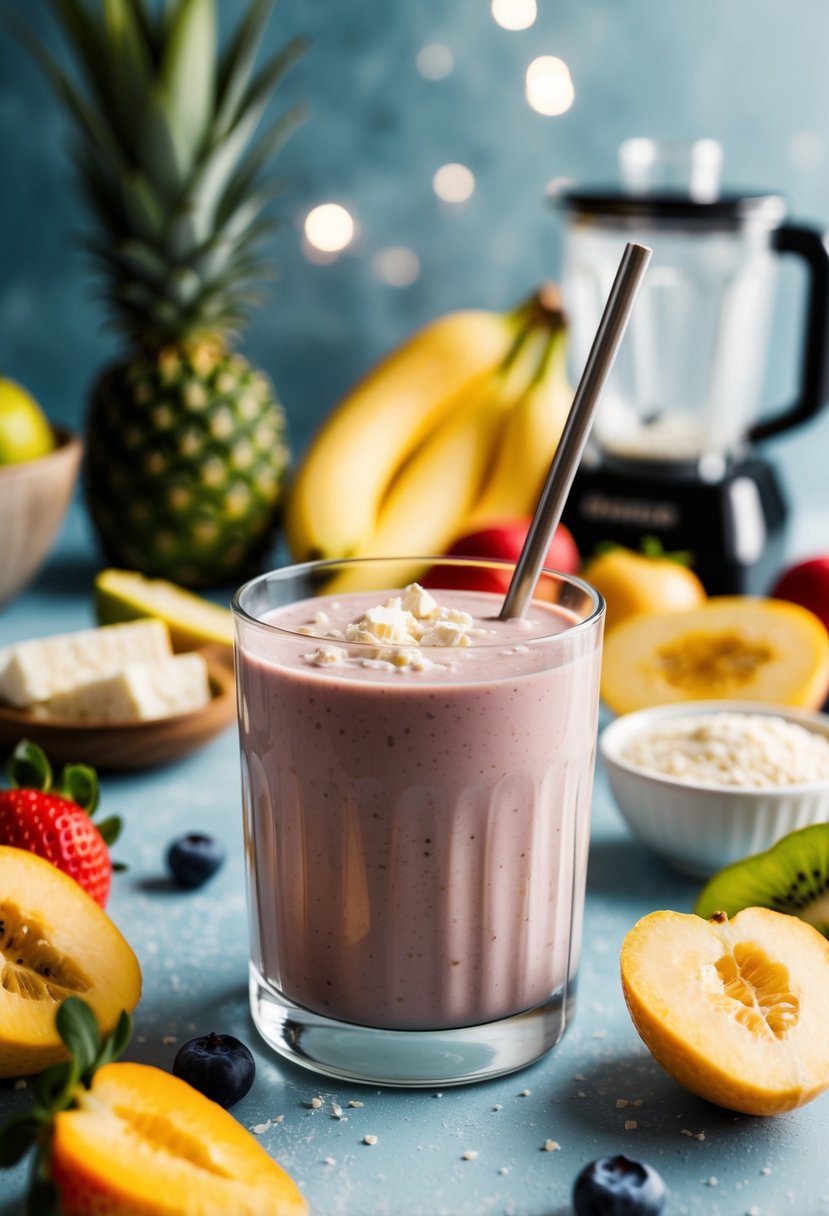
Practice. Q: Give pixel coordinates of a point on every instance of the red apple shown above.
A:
(503, 541)
(806, 584)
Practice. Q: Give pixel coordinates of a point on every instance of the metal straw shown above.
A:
(603, 352)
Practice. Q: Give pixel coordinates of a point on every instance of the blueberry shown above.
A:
(617, 1186)
(217, 1065)
(194, 857)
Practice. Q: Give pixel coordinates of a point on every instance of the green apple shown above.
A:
(25, 433)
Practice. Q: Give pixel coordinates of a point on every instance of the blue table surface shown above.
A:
(193, 953)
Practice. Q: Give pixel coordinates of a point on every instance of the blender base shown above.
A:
(734, 527)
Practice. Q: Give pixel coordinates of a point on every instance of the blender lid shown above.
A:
(724, 211)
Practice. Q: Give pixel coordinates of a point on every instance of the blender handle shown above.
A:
(811, 245)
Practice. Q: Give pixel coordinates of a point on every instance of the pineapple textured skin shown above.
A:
(186, 461)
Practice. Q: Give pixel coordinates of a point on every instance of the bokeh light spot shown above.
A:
(435, 61)
(514, 14)
(397, 266)
(549, 87)
(329, 228)
(454, 183)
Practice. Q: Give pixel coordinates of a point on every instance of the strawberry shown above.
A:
(57, 826)
(124, 1139)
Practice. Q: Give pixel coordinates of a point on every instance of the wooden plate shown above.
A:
(130, 745)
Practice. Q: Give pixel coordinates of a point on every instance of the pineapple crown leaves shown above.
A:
(168, 156)
(56, 1090)
(29, 768)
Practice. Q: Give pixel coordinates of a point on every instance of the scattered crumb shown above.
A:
(766, 1170)
(551, 1146)
(504, 1169)
(169, 1039)
(497, 1106)
(599, 1034)
(631, 1125)
(369, 1139)
(694, 1135)
(753, 1211)
(438, 1095)
(315, 1103)
(699, 1135)
(637, 1101)
(581, 1094)
(329, 1161)
(336, 1110)
(471, 1154)
(259, 1128)
(20, 1083)
(278, 1119)
(579, 1076)
(357, 1105)
(712, 1181)
(621, 1103)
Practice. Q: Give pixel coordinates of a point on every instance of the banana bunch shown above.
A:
(454, 429)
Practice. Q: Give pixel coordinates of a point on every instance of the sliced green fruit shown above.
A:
(792, 876)
(125, 595)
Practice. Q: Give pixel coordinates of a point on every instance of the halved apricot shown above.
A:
(731, 647)
(735, 1010)
(55, 942)
(141, 1142)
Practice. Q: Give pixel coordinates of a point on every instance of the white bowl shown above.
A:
(699, 828)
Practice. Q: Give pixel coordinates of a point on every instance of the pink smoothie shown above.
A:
(417, 839)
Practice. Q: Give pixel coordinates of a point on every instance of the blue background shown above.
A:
(750, 73)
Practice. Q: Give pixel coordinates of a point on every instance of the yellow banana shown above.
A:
(437, 488)
(334, 501)
(528, 441)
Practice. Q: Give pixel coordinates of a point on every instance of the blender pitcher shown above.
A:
(674, 437)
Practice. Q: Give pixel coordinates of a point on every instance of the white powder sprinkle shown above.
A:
(504, 1169)
(369, 1139)
(329, 1161)
(471, 1154)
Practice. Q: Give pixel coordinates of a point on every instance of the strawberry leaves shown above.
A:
(56, 1090)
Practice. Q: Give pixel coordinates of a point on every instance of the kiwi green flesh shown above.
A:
(792, 877)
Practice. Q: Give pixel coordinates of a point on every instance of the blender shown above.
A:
(674, 451)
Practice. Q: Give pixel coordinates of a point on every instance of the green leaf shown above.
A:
(79, 783)
(53, 1089)
(187, 72)
(79, 1032)
(17, 1137)
(110, 829)
(145, 216)
(237, 62)
(130, 63)
(115, 1044)
(29, 767)
(162, 154)
(258, 158)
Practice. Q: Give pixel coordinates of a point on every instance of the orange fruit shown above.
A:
(735, 1010)
(633, 583)
(141, 1142)
(55, 942)
(733, 647)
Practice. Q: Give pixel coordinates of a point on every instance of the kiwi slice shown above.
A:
(792, 876)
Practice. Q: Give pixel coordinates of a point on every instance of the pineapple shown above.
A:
(186, 441)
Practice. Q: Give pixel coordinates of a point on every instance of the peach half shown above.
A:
(55, 942)
(734, 1010)
(735, 647)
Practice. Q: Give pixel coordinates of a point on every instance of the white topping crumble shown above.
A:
(391, 634)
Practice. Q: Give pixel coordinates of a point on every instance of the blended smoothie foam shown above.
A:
(417, 815)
